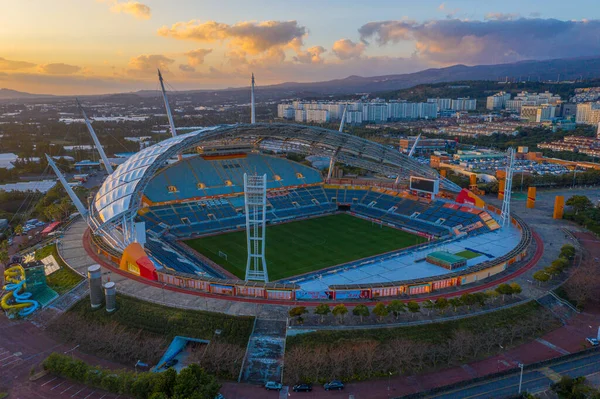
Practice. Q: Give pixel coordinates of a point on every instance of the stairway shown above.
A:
(264, 357)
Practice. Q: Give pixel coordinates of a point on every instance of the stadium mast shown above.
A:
(166, 100)
(107, 164)
(255, 195)
(76, 201)
(510, 163)
(414, 147)
(332, 159)
(252, 103)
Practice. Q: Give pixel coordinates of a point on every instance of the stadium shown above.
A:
(178, 213)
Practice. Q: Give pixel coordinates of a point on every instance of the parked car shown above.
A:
(219, 396)
(272, 385)
(335, 384)
(302, 387)
(593, 341)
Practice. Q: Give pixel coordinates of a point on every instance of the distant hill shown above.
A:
(568, 69)
(8, 94)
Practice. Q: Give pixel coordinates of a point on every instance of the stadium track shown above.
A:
(87, 245)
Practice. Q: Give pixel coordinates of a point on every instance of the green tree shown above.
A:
(516, 288)
(492, 295)
(429, 305)
(480, 298)
(381, 311)
(397, 307)
(4, 258)
(504, 290)
(322, 310)
(297, 312)
(194, 383)
(441, 304)
(455, 303)
(579, 203)
(361, 311)
(541, 276)
(468, 300)
(413, 307)
(567, 251)
(340, 311)
(19, 230)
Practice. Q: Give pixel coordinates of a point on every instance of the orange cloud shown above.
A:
(310, 56)
(10, 65)
(147, 64)
(196, 57)
(59, 69)
(346, 49)
(250, 37)
(134, 8)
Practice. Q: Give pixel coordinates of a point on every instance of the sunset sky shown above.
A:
(107, 46)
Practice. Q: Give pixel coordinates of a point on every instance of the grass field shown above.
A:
(64, 278)
(308, 245)
(468, 254)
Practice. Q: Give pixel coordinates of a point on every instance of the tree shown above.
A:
(360, 311)
(541, 276)
(504, 290)
(19, 230)
(480, 298)
(468, 300)
(579, 203)
(455, 303)
(194, 383)
(516, 288)
(492, 295)
(297, 312)
(441, 304)
(413, 307)
(429, 305)
(381, 311)
(397, 307)
(322, 310)
(567, 251)
(560, 264)
(340, 311)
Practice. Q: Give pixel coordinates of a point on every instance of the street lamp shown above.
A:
(521, 365)
(389, 377)
(71, 351)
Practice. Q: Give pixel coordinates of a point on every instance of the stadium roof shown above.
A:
(121, 191)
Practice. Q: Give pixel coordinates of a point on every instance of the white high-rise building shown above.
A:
(464, 104)
(497, 101)
(442, 103)
(317, 115)
(375, 112)
(588, 113)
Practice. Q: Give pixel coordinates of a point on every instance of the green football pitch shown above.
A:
(308, 245)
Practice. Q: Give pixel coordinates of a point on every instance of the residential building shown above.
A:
(588, 113)
(442, 103)
(464, 104)
(538, 113)
(497, 101)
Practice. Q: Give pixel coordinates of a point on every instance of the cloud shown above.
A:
(310, 56)
(147, 64)
(134, 8)
(251, 37)
(346, 49)
(186, 68)
(10, 65)
(196, 57)
(59, 69)
(500, 16)
(445, 42)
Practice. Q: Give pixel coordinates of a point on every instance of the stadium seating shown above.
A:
(199, 177)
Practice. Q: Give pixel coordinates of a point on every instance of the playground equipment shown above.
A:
(17, 296)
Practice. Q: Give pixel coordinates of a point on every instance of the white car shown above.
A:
(593, 341)
(272, 385)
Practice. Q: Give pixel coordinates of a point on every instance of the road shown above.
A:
(533, 380)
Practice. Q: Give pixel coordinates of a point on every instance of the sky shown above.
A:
(109, 46)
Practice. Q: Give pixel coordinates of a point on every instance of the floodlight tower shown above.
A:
(414, 147)
(255, 195)
(166, 100)
(252, 103)
(332, 159)
(107, 164)
(76, 201)
(510, 163)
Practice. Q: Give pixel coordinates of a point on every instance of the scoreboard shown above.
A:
(431, 186)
